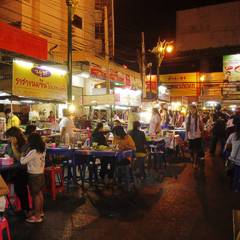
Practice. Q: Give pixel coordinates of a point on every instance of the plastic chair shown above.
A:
(4, 225)
(16, 202)
(55, 179)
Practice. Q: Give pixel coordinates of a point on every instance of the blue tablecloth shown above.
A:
(118, 154)
(14, 166)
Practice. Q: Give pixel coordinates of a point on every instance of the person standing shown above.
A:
(35, 160)
(194, 130)
(66, 127)
(11, 119)
(132, 117)
(155, 122)
(140, 141)
(233, 145)
(51, 117)
(218, 130)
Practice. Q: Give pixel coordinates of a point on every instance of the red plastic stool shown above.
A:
(16, 202)
(55, 177)
(4, 225)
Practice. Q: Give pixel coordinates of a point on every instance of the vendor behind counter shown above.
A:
(11, 119)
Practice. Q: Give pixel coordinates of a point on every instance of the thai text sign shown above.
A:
(181, 84)
(38, 82)
(231, 83)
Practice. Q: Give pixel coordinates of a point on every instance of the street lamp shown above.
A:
(160, 50)
(71, 5)
(69, 51)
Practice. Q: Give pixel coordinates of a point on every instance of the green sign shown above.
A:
(231, 67)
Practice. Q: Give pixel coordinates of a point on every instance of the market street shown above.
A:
(188, 207)
(182, 207)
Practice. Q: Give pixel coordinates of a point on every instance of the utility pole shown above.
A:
(160, 50)
(143, 70)
(69, 51)
(106, 44)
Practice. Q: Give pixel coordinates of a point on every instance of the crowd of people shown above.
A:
(29, 149)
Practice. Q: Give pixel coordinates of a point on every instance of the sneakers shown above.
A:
(34, 219)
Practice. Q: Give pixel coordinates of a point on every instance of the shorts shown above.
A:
(195, 145)
(36, 183)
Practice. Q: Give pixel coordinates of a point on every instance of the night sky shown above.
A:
(154, 17)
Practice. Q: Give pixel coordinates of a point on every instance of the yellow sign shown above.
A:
(181, 84)
(40, 82)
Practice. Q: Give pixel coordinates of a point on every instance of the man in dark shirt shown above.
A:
(219, 129)
(140, 141)
(98, 135)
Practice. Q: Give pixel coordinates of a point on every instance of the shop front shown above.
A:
(34, 92)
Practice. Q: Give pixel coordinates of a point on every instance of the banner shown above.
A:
(127, 97)
(231, 83)
(151, 85)
(15, 40)
(97, 71)
(39, 82)
(181, 84)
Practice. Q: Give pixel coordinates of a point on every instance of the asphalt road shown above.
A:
(185, 206)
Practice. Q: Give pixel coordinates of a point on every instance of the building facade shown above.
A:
(48, 19)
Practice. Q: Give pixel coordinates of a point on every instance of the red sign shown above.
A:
(97, 71)
(15, 40)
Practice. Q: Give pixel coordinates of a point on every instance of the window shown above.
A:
(98, 4)
(77, 21)
(99, 30)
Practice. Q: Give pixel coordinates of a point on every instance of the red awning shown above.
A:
(15, 40)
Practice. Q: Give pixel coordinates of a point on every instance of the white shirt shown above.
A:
(35, 162)
(235, 153)
(68, 124)
(193, 133)
(155, 120)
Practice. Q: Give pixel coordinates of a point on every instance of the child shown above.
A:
(35, 160)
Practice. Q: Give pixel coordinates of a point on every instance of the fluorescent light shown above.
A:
(27, 101)
(84, 74)
(24, 63)
(54, 70)
(3, 94)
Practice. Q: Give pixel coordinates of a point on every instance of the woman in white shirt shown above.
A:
(194, 130)
(66, 127)
(233, 143)
(35, 160)
(155, 122)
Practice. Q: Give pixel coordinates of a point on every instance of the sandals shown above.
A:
(34, 219)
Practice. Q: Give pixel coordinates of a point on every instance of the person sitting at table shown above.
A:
(140, 141)
(123, 141)
(98, 135)
(17, 142)
(30, 129)
(106, 162)
(35, 160)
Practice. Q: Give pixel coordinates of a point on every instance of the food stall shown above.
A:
(34, 91)
(109, 107)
